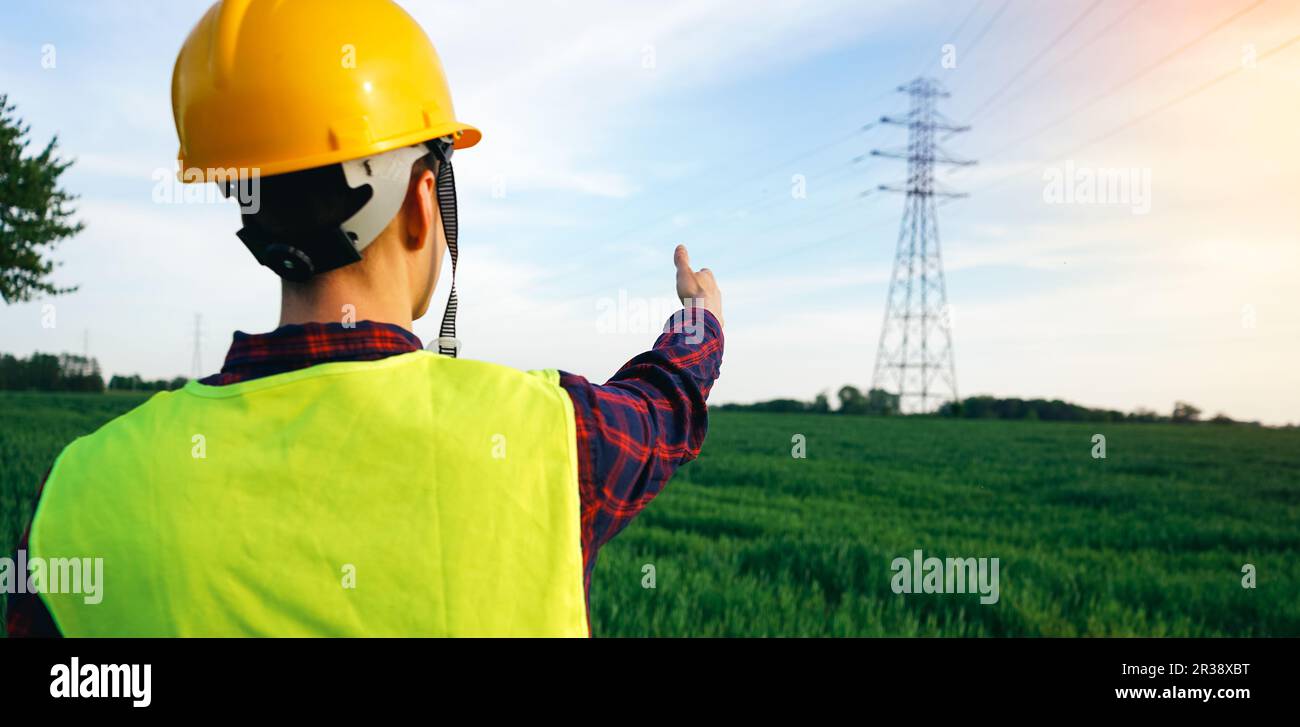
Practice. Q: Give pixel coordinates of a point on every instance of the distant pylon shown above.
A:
(196, 366)
(914, 359)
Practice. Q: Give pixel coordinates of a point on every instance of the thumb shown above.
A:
(682, 259)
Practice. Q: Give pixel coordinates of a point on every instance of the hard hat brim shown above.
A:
(218, 170)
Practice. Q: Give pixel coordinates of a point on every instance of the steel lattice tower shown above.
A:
(914, 359)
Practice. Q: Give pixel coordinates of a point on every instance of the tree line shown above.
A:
(70, 372)
(877, 402)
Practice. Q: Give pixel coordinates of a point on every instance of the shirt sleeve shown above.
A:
(641, 425)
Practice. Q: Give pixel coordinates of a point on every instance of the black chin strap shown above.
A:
(448, 344)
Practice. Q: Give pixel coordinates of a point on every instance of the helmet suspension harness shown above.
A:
(387, 174)
(448, 344)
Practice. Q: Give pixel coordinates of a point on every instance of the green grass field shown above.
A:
(751, 541)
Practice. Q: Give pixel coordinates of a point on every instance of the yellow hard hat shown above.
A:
(286, 85)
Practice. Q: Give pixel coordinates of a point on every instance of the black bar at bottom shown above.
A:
(210, 676)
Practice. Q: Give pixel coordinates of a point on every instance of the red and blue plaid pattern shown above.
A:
(293, 347)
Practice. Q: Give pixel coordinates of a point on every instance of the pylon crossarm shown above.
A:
(924, 158)
(913, 123)
(918, 191)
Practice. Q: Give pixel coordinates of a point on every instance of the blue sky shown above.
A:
(617, 130)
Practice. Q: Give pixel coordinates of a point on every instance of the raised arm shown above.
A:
(650, 417)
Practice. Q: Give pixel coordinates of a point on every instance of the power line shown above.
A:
(1069, 56)
(817, 214)
(708, 201)
(752, 263)
(1039, 56)
(1178, 99)
(762, 204)
(951, 37)
(843, 205)
(1131, 79)
(786, 252)
(794, 251)
(971, 46)
(782, 165)
(769, 170)
(1195, 91)
(819, 179)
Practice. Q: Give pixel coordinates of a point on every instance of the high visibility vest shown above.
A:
(415, 495)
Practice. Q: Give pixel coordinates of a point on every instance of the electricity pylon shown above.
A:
(914, 359)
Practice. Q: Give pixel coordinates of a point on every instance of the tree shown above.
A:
(1142, 414)
(1184, 412)
(852, 401)
(34, 212)
(881, 402)
(135, 382)
(49, 372)
(821, 404)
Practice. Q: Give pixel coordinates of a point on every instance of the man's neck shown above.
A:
(325, 302)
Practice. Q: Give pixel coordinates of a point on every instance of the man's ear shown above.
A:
(421, 210)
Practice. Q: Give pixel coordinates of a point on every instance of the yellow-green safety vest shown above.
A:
(415, 495)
